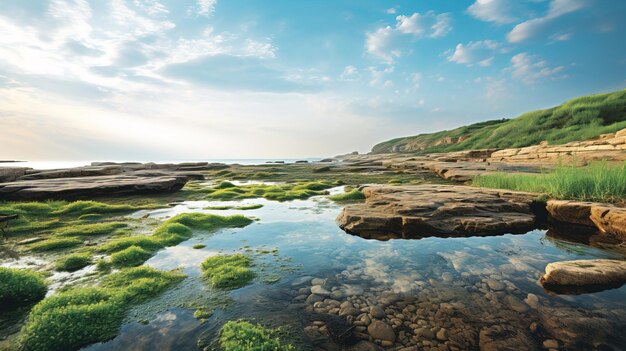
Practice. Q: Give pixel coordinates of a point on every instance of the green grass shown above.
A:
(578, 119)
(77, 317)
(145, 242)
(594, 182)
(130, 257)
(73, 262)
(199, 246)
(246, 336)
(55, 244)
(18, 286)
(91, 229)
(228, 271)
(353, 195)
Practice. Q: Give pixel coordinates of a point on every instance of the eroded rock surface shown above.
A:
(78, 187)
(437, 210)
(585, 274)
(607, 218)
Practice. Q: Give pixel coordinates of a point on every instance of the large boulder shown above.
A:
(437, 210)
(583, 275)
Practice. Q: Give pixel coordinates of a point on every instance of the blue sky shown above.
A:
(150, 79)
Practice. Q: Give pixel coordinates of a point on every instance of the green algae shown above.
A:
(18, 286)
(73, 262)
(81, 316)
(275, 192)
(199, 246)
(350, 196)
(130, 257)
(91, 229)
(55, 244)
(245, 336)
(228, 271)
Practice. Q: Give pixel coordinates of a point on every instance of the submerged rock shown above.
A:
(381, 330)
(584, 275)
(437, 210)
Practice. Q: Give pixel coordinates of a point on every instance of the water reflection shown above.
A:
(477, 289)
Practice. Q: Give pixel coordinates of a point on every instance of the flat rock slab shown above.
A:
(584, 275)
(438, 210)
(82, 187)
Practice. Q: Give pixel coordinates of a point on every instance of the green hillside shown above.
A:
(578, 119)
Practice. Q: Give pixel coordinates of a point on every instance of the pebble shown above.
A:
(319, 290)
(377, 312)
(517, 304)
(550, 344)
(381, 330)
(495, 285)
(442, 334)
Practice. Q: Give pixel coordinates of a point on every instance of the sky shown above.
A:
(206, 79)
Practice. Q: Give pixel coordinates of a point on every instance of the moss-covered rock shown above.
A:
(19, 286)
(73, 262)
(228, 271)
(130, 257)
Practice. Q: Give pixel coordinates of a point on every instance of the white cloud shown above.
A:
(499, 11)
(381, 77)
(349, 74)
(392, 11)
(416, 79)
(379, 43)
(384, 42)
(539, 26)
(530, 69)
(479, 52)
(429, 24)
(206, 7)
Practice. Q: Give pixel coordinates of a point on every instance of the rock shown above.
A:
(504, 337)
(494, 284)
(319, 290)
(532, 300)
(318, 281)
(579, 329)
(364, 346)
(550, 344)
(313, 299)
(607, 218)
(377, 312)
(610, 219)
(516, 304)
(425, 333)
(301, 280)
(416, 211)
(381, 330)
(442, 334)
(586, 275)
(80, 187)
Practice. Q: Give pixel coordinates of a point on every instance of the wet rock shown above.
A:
(381, 330)
(318, 281)
(313, 299)
(437, 210)
(424, 333)
(581, 330)
(551, 344)
(585, 274)
(504, 337)
(495, 285)
(319, 290)
(377, 312)
(516, 304)
(532, 300)
(442, 334)
(301, 280)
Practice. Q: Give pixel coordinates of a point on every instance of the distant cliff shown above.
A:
(581, 118)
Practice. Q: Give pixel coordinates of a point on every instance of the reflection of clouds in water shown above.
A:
(167, 320)
(179, 256)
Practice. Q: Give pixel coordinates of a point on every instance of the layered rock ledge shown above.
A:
(607, 218)
(438, 210)
(99, 179)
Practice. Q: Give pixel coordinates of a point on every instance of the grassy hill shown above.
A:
(578, 119)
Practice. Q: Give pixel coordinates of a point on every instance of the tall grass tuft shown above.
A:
(594, 182)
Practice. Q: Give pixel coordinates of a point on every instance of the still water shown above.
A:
(463, 285)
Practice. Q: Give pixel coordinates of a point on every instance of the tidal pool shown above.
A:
(477, 290)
